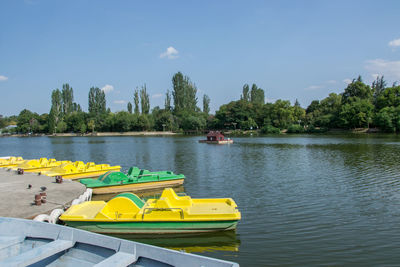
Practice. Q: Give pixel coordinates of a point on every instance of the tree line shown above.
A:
(180, 112)
(358, 106)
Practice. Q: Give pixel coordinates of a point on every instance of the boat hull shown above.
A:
(218, 142)
(137, 187)
(142, 227)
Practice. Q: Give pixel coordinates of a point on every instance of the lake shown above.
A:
(305, 199)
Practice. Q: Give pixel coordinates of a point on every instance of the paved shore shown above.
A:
(18, 201)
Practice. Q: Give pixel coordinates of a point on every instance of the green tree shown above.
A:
(388, 98)
(357, 113)
(109, 124)
(167, 105)
(67, 99)
(97, 107)
(190, 96)
(144, 122)
(92, 107)
(248, 124)
(184, 94)
(299, 114)
(44, 123)
(77, 107)
(163, 119)
(28, 121)
(269, 129)
(178, 91)
(295, 128)
(325, 113)
(281, 114)
(97, 101)
(129, 107)
(61, 127)
(356, 89)
(388, 119)
(91, 125)
(236, 114)
(55, 115)
(144, 100)
(257, 95)
(136, 100)
(206, 104)
(378, 87)
(2, 122)
(101, 101)
(245, 93)
(123, 121)
(83, 128)
(193, 123)
(313, 106)
(76, 122)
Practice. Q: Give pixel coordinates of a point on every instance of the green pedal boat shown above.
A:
(136, 180)
(170, 214)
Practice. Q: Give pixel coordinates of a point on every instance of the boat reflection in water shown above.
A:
(204, 242)
(195, 242)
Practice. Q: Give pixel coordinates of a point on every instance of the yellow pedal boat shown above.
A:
(128, 214)
(10, 162)
(78, 170)
(40, 165)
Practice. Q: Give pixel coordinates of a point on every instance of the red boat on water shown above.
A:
(216, 137)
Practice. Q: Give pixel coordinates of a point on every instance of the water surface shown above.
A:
(305, 200)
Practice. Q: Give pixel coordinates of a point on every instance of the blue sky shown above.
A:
(291, 49)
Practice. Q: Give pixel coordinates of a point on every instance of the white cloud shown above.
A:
(394, 43)
(390, 69)
(170, 53)
(157, 95)
(314, 87)
(107, 88)
(3, 78)
(119, 102)
(348, 81)
(331, 82)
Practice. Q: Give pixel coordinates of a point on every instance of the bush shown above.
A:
(388, 119)
(295, 128)
(193, 123)
(249, 124)
(313, 129)
(269, 129)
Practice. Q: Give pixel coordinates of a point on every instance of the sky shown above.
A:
(292, 49)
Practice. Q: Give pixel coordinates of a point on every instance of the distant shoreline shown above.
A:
(152, 133)
(231, 133)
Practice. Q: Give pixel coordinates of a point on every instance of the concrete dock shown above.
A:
(17, 200)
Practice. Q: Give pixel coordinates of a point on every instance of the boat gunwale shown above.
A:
(132, 183)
